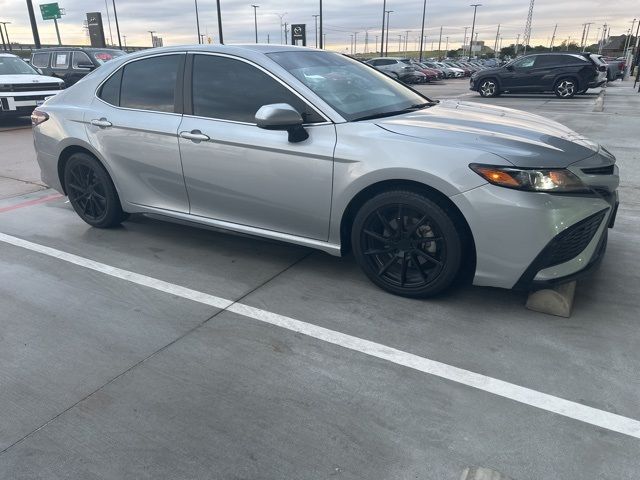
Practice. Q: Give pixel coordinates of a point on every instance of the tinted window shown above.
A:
(549, 60)
(525, 62)
(233, 90)
(81, 58)
(110, 91)
(40, 60)
(386, 62)
(150, 84)
(60, 59)
(375, 63)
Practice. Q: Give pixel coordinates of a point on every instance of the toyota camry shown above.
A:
(317, 149)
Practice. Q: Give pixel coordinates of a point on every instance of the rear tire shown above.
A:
(565, 88)
(488, 88)
(91, 192)
(407, 244)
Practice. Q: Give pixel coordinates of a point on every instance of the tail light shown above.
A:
(38, 117)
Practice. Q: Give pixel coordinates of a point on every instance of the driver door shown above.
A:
(519, 75)
(237, 172)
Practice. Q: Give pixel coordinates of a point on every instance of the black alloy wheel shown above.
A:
(407, 244)
(91, 192)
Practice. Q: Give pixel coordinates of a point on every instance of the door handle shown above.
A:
(195, 136)
(102, 123)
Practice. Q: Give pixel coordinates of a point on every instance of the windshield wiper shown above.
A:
(412, 108)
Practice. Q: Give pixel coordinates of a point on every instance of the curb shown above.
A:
(599, 105)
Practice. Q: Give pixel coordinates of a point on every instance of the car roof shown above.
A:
(7, 55)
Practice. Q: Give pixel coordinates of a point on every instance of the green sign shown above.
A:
(50, 11)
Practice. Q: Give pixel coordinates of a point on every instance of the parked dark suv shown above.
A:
(564, 73)
(71, 63)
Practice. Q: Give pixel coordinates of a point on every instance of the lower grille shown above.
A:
(32, 87)
(569, 243)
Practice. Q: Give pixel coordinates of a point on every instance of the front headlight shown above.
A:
(531, 180)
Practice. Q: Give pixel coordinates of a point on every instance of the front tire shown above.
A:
(407, 244)
(488, 88)
(566, 88)
(91, 192)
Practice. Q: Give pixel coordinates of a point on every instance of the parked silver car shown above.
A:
(315, 148)
(398, 69)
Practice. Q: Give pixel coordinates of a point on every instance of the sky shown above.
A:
(175, 21)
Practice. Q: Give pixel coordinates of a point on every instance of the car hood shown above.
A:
(28, 78)
(524, 139)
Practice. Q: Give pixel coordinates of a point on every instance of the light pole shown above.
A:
(321, 36)
(219, 22)
(6, 33)
(115, 16)
(351, 44)
(464, 42)
(473, 26)
(399, 42)
(377, 44)
(106, 7)
(255, 19)
(197, 22)
(151, 32)
(4, 45)
(124, 37)
(281, 16)
(355, 42)
(315, 21)
(424, 11)
(34, 25)
(384, 6)
(386, 45)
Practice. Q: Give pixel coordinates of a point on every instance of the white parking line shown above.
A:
(527, 396)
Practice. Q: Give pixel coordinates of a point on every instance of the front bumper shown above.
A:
(13, 102)
(514, 233)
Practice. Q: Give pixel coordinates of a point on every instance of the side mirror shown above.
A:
(39, 70)
(282, 116)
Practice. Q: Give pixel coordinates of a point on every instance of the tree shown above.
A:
(453, 53)
(509, 51)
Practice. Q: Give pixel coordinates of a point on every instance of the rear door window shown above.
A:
(150, 84)
(548, 60)
(40, 60)
(110, 90)
(60, 60)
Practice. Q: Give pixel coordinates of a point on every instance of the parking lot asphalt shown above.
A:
(165, 351)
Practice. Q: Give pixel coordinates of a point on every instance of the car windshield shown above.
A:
(15, 66)
(103, 56)
(354, 90)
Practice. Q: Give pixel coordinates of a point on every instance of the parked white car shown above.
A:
(22, 87)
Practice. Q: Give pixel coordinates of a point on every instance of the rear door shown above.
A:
(60, 64)
(134, 124)
(543, 74)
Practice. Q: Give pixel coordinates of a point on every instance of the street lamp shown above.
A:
(255, 19)
(152, 32)
(198, 22)
(473, 26)
(315, 21)
(321, 35)
(424, 11)
(115, 16)
(124, 37)
(386, 45)
(281, 15)
(384, 11)
(7, 35)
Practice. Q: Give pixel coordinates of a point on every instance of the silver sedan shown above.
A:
(317, 149)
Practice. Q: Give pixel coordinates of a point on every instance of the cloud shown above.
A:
(175, 20)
